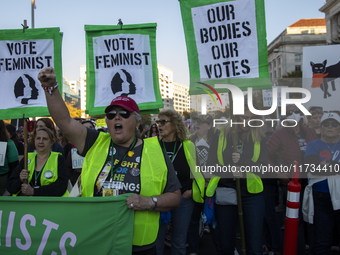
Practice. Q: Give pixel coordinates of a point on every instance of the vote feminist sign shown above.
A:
(226, 39)
(22, 57)
(122, 61)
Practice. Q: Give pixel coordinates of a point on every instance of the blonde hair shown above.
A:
(178, 122)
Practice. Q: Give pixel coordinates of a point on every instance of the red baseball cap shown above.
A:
(125, 102)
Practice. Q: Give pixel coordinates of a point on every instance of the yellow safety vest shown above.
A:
(198, 184)
(153, 178)
(51, 165)
(254, 182)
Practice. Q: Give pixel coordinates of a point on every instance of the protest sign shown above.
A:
(77, 160)
(267, 96)
(3, 148)
(22, 56)
(100, 123)
(226, 43)
(69, 225)
(321, 72)
(121, 62)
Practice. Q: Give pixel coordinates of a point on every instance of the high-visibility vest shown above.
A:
(51, 166)
(254, 182)
(153, 178)
(198, 184)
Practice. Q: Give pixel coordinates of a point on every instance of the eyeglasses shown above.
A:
(293, 111)
(162, 122)
(327, 124)
(124, 114)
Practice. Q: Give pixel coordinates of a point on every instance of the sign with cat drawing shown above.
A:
(321, 73)
(22, 56)
(121, 61)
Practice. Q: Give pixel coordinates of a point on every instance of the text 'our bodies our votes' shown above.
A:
(24, 56)
(224, 33)
(130, 56)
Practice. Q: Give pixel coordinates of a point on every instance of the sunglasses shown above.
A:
(327, 124)
(162, 122)
(297, 111)
(124, 114)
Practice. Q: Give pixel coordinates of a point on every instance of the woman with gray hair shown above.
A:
(118, 162)
(182, 152)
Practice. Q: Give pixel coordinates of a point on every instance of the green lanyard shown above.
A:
(241, 149)
(36, 176)
(114, 168)
(173, 154)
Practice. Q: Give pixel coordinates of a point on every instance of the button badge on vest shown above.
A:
(48, 174)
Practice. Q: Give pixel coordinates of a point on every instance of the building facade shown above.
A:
(71, 97)
(174, 95)
(332, 15)
(165, 77)
(285, 51)
(181, 98)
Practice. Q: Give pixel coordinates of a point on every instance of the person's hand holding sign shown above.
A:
(24, 175)
(235, 158)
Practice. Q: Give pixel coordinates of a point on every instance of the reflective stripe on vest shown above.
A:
(198, 184)
(153, 178)
(254, 182)
(51, 165)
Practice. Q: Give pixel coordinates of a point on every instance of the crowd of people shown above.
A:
(158, 167)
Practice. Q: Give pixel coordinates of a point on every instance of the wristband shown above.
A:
(50, 89)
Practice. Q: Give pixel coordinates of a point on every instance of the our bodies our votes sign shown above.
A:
(226, 43)
(22, 57)
(122, 62)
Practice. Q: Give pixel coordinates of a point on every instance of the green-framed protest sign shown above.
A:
(22, 56)
(121, 61)
(226, 43)
(67, 225)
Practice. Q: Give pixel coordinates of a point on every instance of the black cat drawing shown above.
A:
(122, 82)
(323, 74)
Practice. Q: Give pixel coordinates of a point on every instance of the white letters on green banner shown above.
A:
(68, 225)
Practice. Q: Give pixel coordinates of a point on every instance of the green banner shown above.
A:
(121, 61)
(22, 56)
(226, 44)
(70, 225)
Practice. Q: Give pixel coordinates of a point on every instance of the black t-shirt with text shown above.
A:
(126, 174)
